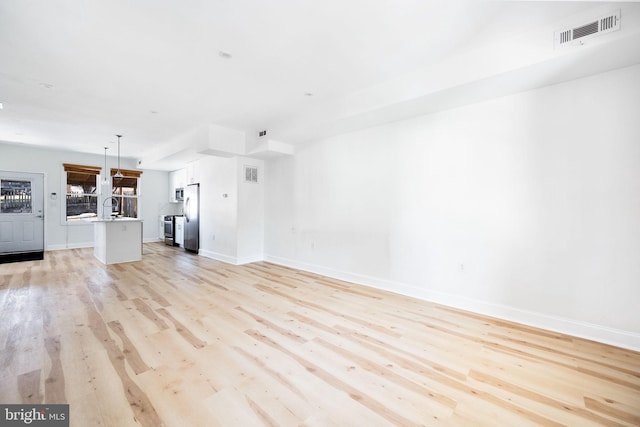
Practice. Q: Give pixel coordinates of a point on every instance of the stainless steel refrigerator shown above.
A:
(192, 217)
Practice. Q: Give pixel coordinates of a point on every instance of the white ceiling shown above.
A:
(73, 73)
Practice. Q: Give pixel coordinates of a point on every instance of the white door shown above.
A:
(21, 212)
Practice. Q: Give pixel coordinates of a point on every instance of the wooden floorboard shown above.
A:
(182, 340)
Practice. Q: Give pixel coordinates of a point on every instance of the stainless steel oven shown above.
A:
(169, 230)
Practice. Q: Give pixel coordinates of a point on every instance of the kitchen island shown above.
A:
(117, 240)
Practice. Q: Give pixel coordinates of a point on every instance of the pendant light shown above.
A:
(106, 172)
(118, 172)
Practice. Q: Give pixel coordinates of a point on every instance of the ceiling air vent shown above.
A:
(577, 35)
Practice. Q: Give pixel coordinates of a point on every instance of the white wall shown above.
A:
(250, 225)
(525, 207)
(218, 214)
(154, 199)
(25, 158)
(231, 227)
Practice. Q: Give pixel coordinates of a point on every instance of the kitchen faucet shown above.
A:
(110, 199)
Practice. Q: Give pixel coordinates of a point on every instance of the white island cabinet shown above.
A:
(118, 240)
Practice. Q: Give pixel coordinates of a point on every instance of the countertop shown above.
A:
(115, 220)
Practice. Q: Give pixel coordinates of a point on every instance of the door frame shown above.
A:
(36, 254)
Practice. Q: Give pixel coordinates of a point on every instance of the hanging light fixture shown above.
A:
(106, 172)
(118, 172)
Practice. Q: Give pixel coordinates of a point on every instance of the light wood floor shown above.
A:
(181, 340)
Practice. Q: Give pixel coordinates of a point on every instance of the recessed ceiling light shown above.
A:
(308, 94)
(46, 85)
(153, 112)
(1, 106)
(225, 55)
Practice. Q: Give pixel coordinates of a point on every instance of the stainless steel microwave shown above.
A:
(179, 194)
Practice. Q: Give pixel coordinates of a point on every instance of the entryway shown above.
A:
(21, 216)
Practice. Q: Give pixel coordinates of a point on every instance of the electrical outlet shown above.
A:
(213, 237)
(461, 268)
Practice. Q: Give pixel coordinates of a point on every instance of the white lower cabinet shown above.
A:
(179, 231)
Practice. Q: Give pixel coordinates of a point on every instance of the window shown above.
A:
(126, 191)
(15, 196)
(81, 191)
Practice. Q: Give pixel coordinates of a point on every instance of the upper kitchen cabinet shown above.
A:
(192, 173)
(177, 179)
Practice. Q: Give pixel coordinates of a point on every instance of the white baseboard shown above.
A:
(217, 256)
(249, 259)
(576, 328)
(69, 246)
(230, 259)
(151, 240)
(88, 245)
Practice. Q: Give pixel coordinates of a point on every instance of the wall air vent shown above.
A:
(250, 174)
(577, 35)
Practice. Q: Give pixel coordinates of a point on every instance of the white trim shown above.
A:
(217, 256)
(69, 246)
(230, 259)
(576, 328)
(249, 259)
(45, 209)
(89, 244)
